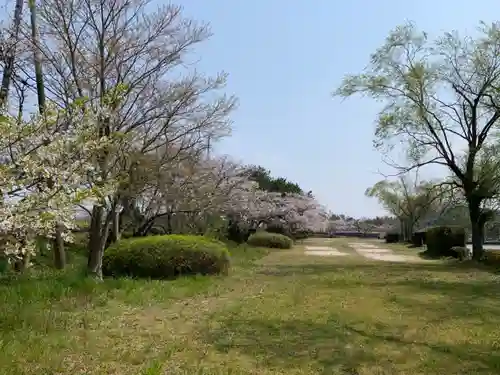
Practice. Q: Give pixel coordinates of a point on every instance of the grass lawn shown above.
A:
(280, 313)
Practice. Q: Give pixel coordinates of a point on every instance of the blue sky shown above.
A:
(285, 58)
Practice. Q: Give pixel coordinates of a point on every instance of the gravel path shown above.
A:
(371, 251)
(323, 251)
(367, 250)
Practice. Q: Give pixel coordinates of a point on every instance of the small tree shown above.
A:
(43, 175)
(443, 102)
(409, 201)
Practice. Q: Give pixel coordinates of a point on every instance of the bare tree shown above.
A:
(92, 48)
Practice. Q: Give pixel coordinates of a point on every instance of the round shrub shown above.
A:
(272, 240)
(165, 257)
(392, 237)
(441, 239)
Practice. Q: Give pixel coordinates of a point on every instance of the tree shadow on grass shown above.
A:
(458, 288)
(343, 348)
(379, 268)
(290, 344)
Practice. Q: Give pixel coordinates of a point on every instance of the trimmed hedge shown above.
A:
(418, 239)
(303, 234)
(492, 258)
(392, 237)
(294, 235)
(166, 257)
(271, 240)
(441, 239)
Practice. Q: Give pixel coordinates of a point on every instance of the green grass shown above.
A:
(278, 312)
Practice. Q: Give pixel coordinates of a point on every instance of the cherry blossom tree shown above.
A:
(90, 47)
(189, 186)
(46, 168)
(201, 189)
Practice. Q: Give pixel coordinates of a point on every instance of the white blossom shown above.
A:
(44, 172)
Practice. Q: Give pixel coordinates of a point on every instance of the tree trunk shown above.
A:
(115, 228)
(477, 227)
(8, 70)
(169, 223)
(98, 236)
(59, 253)
(402, 230)
(410, 227)
(37, 58)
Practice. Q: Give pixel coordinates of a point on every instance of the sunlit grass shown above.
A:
(278, 312)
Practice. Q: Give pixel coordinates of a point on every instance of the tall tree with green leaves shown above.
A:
(408, 200)
(442, 102)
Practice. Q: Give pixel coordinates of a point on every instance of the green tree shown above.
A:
(443, 103)
(409, 201)
(273, 184)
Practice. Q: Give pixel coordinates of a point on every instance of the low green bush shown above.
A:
(462, 253)
(166, 257)
(157, 231)
(441, 239)
(271, 240)
(216, 240)
(278, 229)
(293, 234)
(418, 239)
(392, 237)
(492, 258)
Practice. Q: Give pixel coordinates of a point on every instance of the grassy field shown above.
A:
(276, 313)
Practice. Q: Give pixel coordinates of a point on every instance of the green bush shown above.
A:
(272, 240)
(157, 231)
(166, 257)
(302, 235)
(279, 229)
(392, 237)
(461, 252)
(418, 239)
(441, 239)
(492, 258)
(215, 240)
